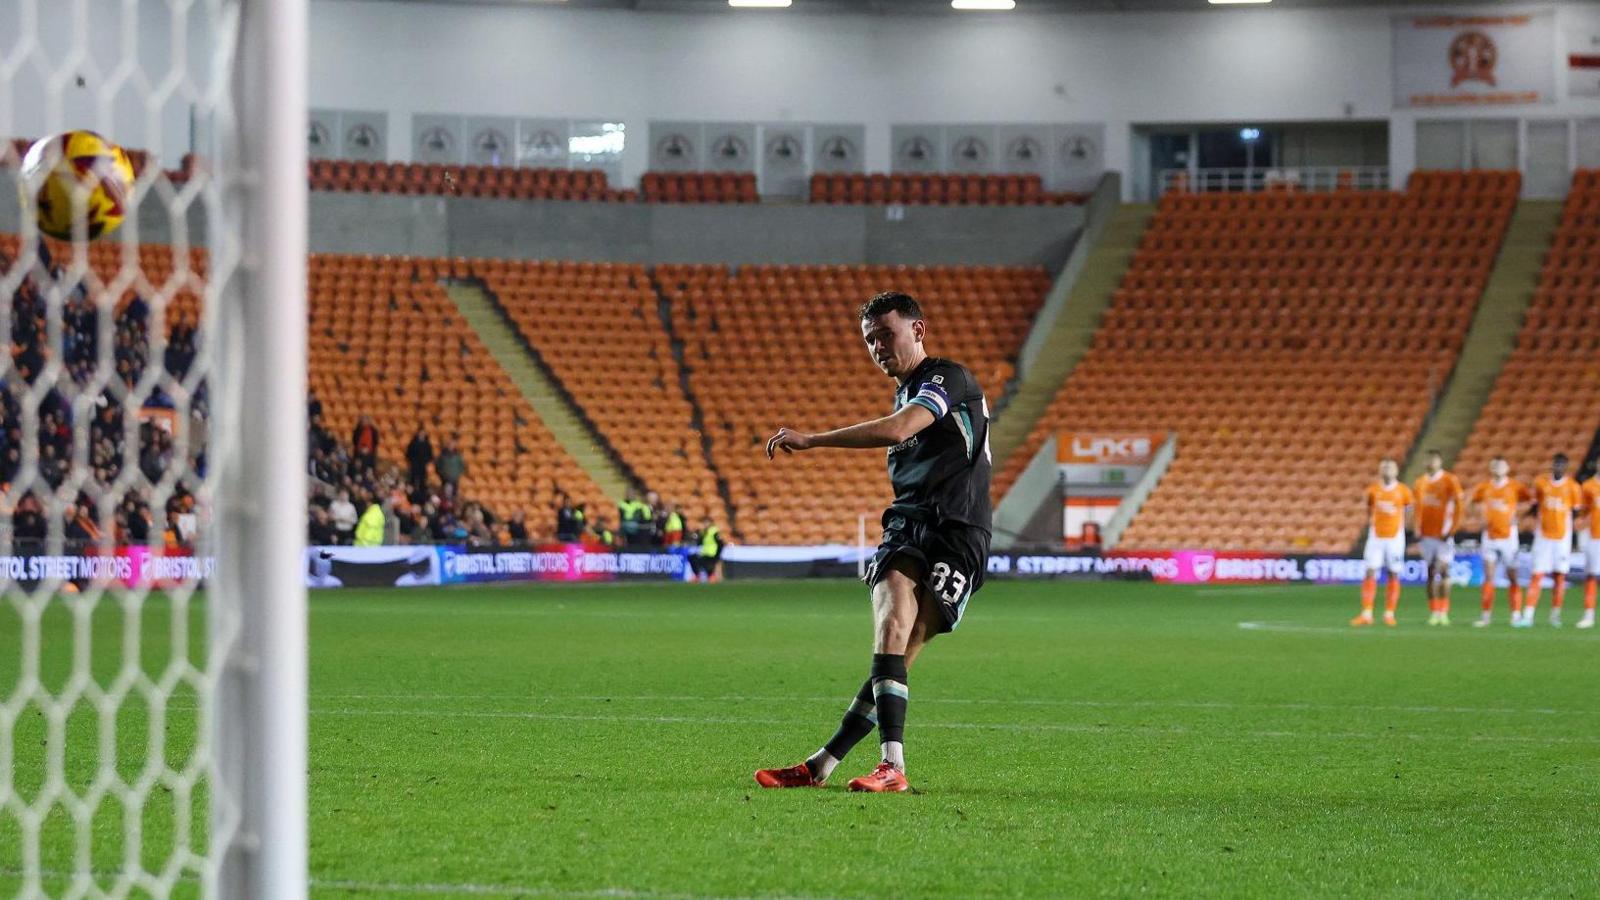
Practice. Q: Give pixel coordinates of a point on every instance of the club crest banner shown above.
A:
(1474, 60)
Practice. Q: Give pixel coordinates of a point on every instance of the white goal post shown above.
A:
(153, 624)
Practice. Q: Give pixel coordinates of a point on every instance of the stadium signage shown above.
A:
(1474, 60)
(1213, 567)
(1103, 449)
(136, 566)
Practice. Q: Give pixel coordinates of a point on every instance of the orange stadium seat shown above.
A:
(878, 189)
(503, 182)
(386, 341)
(698, 187)
(1546, 398)
(735, 323)
(597, 327)
(1290, 339)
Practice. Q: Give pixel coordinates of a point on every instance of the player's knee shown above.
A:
(894, 605)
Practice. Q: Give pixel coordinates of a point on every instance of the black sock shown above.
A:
(857, 723)
(890, 694)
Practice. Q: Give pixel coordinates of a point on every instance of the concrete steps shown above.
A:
(531, 378)
(1493, 333)
(1069, 336)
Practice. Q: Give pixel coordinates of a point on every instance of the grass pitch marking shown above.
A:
(1170, 730)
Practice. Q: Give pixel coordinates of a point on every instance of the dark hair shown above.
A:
(1560, 458)
(888, 302)
(1497, 458)
(1435, 453)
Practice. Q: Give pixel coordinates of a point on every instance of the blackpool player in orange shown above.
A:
(1591, 550)
(1498, 502)
(1557, 496)
(1387, 499)
(1440, 500)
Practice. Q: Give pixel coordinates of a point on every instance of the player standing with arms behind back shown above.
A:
(1387, 499)
(1558, 496)
(935, 546)
(1591, 550)
(1439, 502)
(1499, 501)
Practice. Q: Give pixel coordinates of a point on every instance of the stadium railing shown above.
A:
(1270, 178)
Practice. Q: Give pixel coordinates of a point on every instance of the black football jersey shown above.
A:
(943, 471)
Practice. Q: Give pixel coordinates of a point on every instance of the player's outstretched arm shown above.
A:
(884, 432)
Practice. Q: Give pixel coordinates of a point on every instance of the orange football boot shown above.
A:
(793, 776)
(885, 779)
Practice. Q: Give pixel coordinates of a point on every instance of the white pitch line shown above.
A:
(442, 888)
(1087, 704)
(1478, 634)
(1175, 730)
(501, 890)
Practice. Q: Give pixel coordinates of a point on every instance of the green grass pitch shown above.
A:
(1071, 739)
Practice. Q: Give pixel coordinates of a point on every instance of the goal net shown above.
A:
(152, 490)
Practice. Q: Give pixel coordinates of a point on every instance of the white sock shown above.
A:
(822, 764)
(894, 753)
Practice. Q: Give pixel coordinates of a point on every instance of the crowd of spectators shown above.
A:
(92, 433)
(84, 439)
(421, 501)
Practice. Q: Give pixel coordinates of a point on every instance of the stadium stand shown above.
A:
(504, 182)
(735, 324)
(597, 327)
(936, 190)
(153, 363)
(386, 341)
(1290, 339)
(698, 187)
(1547, 396)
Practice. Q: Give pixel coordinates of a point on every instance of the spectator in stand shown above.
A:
(364, 444)
(450, 464)
(655, 517)
(344, 515)
(601, 534)
(479, 532)
(80, 529)
(135, 518)
(28, 520)
(419, 455)
(569, 521)
(672, 527)
(369, 531)
(625, 515)
(320, 533)
(517, 530)
(707, 564)
(313, 407)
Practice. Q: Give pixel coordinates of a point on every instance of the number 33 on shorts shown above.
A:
(947, 583)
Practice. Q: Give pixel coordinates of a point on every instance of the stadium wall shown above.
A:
(1121, 69)
(653, 233)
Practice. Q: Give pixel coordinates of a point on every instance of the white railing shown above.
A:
(1306, 178)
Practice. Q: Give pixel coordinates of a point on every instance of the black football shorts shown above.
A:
(953, 558)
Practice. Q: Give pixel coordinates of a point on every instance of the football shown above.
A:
(77, 174)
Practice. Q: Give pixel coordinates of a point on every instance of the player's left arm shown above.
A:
(884, 432)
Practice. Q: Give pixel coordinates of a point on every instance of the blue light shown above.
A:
(1249, 135)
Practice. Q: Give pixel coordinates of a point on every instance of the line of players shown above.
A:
(1438, 502)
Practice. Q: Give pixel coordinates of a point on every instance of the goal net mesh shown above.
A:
(116, 410)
